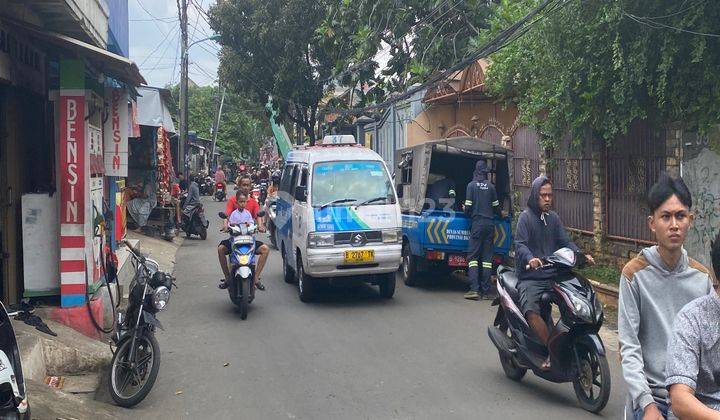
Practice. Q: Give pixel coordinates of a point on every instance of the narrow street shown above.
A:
(423, 355)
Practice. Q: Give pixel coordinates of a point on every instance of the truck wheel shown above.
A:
(408, 267)
(387, 285)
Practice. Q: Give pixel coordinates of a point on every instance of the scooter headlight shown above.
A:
(581, 308)
(161, 295)
(244, 260)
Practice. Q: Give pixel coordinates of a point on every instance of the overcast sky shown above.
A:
(155, 41)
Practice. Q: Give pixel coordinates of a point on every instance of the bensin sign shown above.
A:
(72, 159)
(116, 133)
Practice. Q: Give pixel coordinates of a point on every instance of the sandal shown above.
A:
(260, 286)
(223, 285)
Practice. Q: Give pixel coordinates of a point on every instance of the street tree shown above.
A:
(594, 67)
(243, 125)
(273, 48)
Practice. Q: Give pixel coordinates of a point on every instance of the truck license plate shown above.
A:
(358, 257)
(457, 261)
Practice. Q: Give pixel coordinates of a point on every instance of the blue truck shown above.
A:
(430, 180)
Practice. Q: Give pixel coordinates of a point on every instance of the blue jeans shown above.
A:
(641, 411)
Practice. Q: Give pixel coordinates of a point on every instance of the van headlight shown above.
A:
(161, 295)
(392, 236)
(321, 239)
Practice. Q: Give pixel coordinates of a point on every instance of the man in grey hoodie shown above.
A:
(654, 286)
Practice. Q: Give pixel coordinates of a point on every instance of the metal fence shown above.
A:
(526, 161)
(570, 170)
(634, 163)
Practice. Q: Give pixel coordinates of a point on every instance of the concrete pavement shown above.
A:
(423, 355)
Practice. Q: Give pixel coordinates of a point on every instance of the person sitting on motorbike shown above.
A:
(239, 216)
(252, 206)
(193, 197)
(539, 234)
(220, 177)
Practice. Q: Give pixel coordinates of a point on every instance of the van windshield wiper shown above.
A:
(338, 201)
(372, 200)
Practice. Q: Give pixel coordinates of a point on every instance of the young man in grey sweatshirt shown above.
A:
(654, 286)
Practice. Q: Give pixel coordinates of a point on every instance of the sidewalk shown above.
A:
(80, 360)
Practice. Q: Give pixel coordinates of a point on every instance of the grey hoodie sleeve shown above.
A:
(630, 351)
(522, 252)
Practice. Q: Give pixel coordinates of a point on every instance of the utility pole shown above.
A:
(217, 126)
(183, 86)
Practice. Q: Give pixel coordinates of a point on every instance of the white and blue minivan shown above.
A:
(338, 217)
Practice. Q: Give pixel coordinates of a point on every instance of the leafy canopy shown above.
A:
(243, 125)
(596, 66)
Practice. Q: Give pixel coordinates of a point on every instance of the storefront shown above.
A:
(69, 120)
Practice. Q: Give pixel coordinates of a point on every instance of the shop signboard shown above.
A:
(116, 133)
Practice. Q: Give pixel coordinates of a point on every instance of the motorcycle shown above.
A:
(271, 206)
(263, 186)
(577, 353)
(219, 191)
(196, 223)
(242, 264)
(136, 360)
(207, 186)
(13, 394)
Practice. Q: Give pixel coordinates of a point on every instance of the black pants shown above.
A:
(482, 236)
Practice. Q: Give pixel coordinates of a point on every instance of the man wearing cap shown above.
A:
(481, 204)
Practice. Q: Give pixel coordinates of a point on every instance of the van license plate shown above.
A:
(457, 261)
(359, 257)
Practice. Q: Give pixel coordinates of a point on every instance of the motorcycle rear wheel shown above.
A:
(142, 377)
(593, 373)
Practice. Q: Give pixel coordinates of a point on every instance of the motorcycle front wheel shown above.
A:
(131, 382)
(245, 300)
(592, 385)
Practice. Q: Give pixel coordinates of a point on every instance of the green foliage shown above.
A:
(243, 125)
(589, 68)
(278, 47)
(602, 273)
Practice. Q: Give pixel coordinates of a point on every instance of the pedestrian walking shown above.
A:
(481, 204)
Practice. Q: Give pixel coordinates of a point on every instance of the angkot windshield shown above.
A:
(351, 183)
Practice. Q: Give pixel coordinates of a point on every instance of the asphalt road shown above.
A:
(423, 355)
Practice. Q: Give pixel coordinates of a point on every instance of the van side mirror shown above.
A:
(301, 194)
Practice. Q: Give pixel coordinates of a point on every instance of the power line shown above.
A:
(658, 25)
(158, 46)
(500, 41)
(162, 55)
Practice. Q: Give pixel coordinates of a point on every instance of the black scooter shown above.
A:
(576, 351)
(196, 223)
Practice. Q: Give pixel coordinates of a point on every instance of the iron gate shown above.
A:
(570, 170)
(634, 163)
(526, 162)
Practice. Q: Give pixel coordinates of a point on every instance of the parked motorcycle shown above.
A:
(207, 186)
(13, 395)
(136, 361)
(576, 351)
(242, 264)
(196, 223)
(219, 191)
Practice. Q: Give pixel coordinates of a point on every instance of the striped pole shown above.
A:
(72, 180)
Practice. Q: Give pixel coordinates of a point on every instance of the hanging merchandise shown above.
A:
(166, 172)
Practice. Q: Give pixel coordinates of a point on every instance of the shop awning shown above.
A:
(154, 108)
(113, 65)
